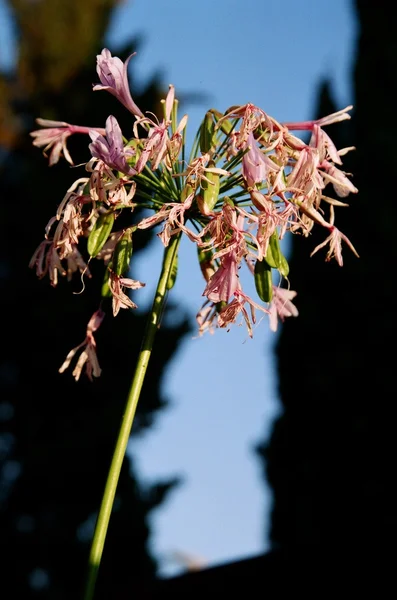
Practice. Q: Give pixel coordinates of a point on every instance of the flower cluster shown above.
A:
(249, 180)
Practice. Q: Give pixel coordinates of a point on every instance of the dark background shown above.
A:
(331, 460)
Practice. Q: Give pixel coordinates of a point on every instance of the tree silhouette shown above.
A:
(57, 436)
(331, 458)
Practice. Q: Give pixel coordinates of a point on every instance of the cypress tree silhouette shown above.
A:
(331, 458)
(57, 436)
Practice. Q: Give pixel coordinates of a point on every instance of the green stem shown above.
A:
(152, 325)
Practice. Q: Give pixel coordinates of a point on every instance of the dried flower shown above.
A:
(88, 357)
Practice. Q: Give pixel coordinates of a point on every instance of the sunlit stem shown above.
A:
(152, 325)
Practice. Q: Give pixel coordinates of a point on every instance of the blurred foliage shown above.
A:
(57, 436)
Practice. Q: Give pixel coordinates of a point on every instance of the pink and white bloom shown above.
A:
(229, 314)
(224, 282)
(88, 357)
(341, 184)
(110, 149)
(55, 136)
(256, 165)
(335, 245)
(305, 175)
(324, 145)
(158, 145)
(114, 78)
(281, 306)
(340, 115)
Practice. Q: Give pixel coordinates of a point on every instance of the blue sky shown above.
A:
(222, 388)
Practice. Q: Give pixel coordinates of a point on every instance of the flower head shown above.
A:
(248, 181)
(113, 75)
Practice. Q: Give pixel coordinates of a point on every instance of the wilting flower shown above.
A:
(113, 75)
(173, 214)
(281, 306)
(158, 145)
(120, 299)
(88, 356)
(110, 149)
(342, 185)
(229, 314)
(335, 245)
(224, 282)
(336, 117)
(196, 170)
(256, 165)
(55, 136)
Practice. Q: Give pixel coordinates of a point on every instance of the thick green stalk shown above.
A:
(152, 325)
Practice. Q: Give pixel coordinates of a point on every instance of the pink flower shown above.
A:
(341, 115)
(196, 170)
(55, 136)
(88, 356)
(224, 282)
(256, 165)
(324, 145)
(281, 306)
(173, 213)
(110, 149)
(341, 184)
(206, 318)
(335, 245)
(229, 314)
(113, 75)
(46, 260)
(120, 299)
(252, 117)
(158, 145)
(305, 175)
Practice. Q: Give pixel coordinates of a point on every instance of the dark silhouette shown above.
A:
(57, 436)
(332, 457)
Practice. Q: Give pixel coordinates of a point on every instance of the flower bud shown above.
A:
(210, 190)
(207, 131)
(263, 280)
(274, 257)
(284, 266)
(122, 254)
(100, 233)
